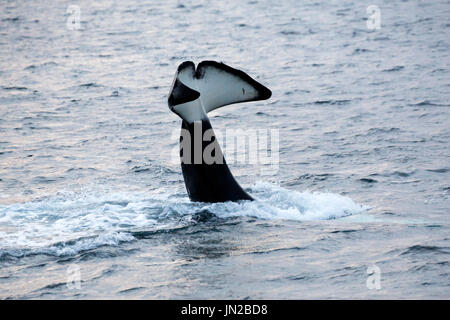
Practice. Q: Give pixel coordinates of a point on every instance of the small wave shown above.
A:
(426, 103)
(394, 69)
(89, 85)
(439, 170)
(258, 252)
(14, 19)
(361, 50)
(345, 231)
(402, 174)
(368, 180)
(39, 66)
(332, 102)
(309, 176)
(130, 290)
(377, 131)
(290, 33)
(151, 167)
(78, 169)
(15, 88)
(421, 249)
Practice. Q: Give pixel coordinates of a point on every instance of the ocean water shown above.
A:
(93, 203)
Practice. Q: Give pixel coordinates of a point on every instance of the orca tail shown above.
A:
(217, 85)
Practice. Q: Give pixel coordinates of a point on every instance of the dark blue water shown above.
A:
(88, 181)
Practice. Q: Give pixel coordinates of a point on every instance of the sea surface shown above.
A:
(92, 200)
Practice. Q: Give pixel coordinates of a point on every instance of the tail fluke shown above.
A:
(218, 85)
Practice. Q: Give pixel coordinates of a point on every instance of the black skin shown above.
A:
(209, 182)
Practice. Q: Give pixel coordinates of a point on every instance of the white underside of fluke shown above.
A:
(217, 88)
(191, 111)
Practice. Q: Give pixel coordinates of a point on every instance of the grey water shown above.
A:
(93, 203)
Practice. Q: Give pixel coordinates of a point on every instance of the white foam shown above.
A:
(83, 244)
(68, 216)
(70, 222)
(277, 203)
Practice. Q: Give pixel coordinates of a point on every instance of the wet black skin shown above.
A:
(208, 182)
